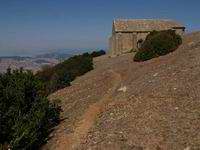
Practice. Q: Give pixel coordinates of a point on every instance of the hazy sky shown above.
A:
(31, 26)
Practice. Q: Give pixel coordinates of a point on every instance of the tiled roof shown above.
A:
(130, 25)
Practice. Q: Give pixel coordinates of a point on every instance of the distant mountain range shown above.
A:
(35, 63)
(15, 57)
(54, 55)
(32, 63)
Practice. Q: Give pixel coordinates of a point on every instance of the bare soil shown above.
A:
(158, 107)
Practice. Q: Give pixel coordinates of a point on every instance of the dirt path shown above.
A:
(73, 140)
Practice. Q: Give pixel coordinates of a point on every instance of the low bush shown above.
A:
(144, 55)
(98, 53)
(158, 43)
(63, 73)
(26, 116)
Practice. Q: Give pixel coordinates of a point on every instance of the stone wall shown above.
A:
(111, 45)
(123, 42)
(127, 42)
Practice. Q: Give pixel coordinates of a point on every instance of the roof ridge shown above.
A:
(142, 20)
(145, 24)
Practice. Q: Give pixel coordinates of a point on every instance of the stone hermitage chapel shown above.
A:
(128, 34)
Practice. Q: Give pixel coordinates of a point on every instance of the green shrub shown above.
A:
(158, 43)
(144, 55)
(26, 116)
(63, 73)
(98, 53)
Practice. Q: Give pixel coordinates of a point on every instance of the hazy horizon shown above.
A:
(40, 52)
(32, 27)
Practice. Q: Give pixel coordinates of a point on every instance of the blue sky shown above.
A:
(31, 26)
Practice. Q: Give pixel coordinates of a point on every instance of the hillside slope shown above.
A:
(123, 105)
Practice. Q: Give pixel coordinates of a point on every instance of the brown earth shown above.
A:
(125, 105)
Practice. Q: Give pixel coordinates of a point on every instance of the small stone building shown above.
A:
(128, 34)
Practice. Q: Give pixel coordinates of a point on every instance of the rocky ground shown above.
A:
(122, 105)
